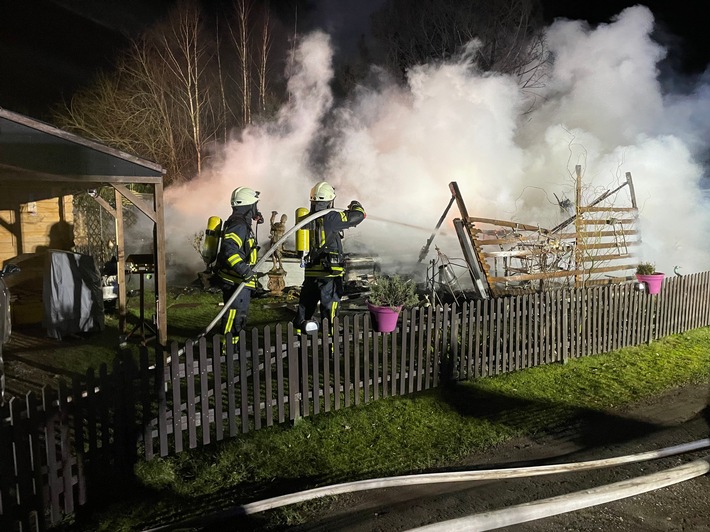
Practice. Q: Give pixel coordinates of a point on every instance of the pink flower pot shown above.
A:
(653, 282)
(384, 319)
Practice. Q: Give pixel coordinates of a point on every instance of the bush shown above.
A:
(646, 268)
(393, 291)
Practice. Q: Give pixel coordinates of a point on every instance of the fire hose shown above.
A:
(266, 255)
(656, 480)
(522, 513)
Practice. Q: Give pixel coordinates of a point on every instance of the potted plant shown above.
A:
(388, 294)
(646, 273)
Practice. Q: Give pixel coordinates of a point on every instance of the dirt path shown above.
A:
(675, 418)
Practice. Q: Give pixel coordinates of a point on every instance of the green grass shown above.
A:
(401, 435)
(189, 312)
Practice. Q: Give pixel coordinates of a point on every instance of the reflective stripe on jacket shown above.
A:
(326, 257)
(237, 253)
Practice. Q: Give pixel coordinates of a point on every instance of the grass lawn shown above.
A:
(396, 435)
(189, 312)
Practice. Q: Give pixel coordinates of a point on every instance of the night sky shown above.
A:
(47, 51)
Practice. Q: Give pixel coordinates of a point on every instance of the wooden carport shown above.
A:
(39, 161)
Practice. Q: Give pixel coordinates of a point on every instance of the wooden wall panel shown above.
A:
(43, 223)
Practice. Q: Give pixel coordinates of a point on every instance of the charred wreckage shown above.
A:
(593, 246)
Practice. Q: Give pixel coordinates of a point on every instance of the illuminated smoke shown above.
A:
(396, 148)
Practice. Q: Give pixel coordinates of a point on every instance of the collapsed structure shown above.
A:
(593, 246)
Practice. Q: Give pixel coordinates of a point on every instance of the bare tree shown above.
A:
(508, 34)
(262, 66)
(186, 55)
(169, 97)
(241, 39)
(222, 79)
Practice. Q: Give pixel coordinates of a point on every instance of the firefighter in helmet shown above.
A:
(323, 281)
(237, 256)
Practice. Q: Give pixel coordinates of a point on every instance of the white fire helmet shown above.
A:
(244, 196)
(322, 191)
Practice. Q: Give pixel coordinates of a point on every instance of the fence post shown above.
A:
(293, 375)
(565, 327)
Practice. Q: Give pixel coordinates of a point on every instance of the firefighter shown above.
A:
(324, 265)
(236, 258)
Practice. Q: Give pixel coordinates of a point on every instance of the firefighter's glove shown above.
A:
(355, 206)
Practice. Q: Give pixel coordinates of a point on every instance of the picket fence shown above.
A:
(58, 448)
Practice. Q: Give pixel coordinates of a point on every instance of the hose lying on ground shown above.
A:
(465, 476)
(453, 476)
(570, 502)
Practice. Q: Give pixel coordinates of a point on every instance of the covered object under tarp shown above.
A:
(72, 294)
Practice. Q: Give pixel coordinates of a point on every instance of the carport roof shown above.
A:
(31, 150)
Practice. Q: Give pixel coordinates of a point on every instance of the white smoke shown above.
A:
(396, 149)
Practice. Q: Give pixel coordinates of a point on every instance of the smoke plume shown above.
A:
(395, 148)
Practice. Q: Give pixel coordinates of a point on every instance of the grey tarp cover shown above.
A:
(72, 295)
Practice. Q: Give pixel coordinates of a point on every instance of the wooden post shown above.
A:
(579, 264)
(161, 289)
(121, 263)
(632, 191)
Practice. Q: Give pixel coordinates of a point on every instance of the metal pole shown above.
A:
(425, 249)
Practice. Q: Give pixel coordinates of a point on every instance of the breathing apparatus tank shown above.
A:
(213, 235)
(302, 243)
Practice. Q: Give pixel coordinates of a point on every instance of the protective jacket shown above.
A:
(238, 252)
(325, 258)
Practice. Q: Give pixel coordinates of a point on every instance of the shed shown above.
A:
(42, 167)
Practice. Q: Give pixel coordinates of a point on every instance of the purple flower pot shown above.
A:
(653, 282)
(384, 319)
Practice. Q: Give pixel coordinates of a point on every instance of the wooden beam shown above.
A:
(161, 289)
(22, 175)
(620, 232)
(120, 265)
(561, 273)
(608, 245)
(105, 204)
(606, 222)
(139, 202)
(577, 227)
(543, 238)
(456, 193)
(632, 192)
(599, 258)
(506, 223)
(477, 266)
(608, 209)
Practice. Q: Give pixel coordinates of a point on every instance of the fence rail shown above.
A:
(163, 402)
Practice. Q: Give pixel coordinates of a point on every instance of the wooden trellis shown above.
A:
(593, 246)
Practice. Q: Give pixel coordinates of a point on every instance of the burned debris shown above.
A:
(594, 245)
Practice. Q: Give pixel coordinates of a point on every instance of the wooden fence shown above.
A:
(57, 448)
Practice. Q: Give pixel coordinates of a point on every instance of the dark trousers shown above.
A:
(235, 319)
(324, 290)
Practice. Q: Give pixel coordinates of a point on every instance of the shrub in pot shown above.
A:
(388, 295)
(646, 273)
